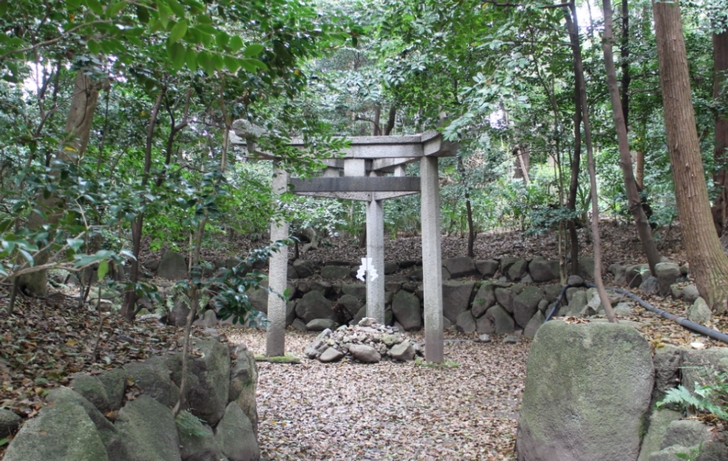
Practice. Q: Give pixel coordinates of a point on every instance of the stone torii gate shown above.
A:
(372, 169)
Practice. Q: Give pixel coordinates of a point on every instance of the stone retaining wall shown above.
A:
(125, 414)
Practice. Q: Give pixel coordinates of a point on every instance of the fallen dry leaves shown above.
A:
(344, 411)
(389, 410)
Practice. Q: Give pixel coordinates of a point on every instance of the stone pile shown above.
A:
(93, 421)
(367, 342)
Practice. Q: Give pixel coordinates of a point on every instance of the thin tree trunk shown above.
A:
(468, 210)
(573, 28)
(576, 159)
(128, 310)
(620, 126)
(708, 263)
(194, 307)
(720, 178)
(624, 62)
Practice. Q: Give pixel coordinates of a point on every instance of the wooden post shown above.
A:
(375, 251)
(431, 259)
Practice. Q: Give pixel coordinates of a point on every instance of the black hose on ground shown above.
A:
(556, 303)
(690, 325)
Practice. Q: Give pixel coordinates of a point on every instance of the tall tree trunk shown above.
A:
(624, 62)
(708, 263)
(468, 209)
(576, 158)
(720, 77)
(620, 126)
(78, 130)
(573, 26)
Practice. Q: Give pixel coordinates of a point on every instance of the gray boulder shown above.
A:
(357, 290)
(92, 389)
(514, 268)
(208, 375)
(699, 312)
(197, 441)
(569, 414)
(504, 296)
(320, 325)
(402, 351)
(208, 319)
(635, 274)
(534, 324)
(335, 272)
(461, 266)
(331, 354)
(667, 273)
(148, 431)
(496, 320)
(551, 292)
(586, 267)
(172, 266)
(671, 453)
(109, 436)
(298, 325)
(702, 366)
(650, 286)
(685, 432)
(304, 268)
(575, 280)
(525, 305)
(62, 432)
(488, 267)
(543, 270)
(456, 298)
(9, 422)
(180, 311)
(351, 303)
(313, 305)
(364, 353)
(114, 382)
(484, 299)
(235, 435)
(660, 419)
(667, 360)
(577, 302)
(406, 309)
(390, 267)
(690, 293)
(153, 378)
(243, 383)
(465, 322)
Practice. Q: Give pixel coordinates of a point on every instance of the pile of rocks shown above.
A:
(367, 342)
(93, 421)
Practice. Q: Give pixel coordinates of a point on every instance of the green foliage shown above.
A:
(446, 364)
(709, 398)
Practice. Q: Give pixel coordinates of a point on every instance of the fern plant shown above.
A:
(709, 398)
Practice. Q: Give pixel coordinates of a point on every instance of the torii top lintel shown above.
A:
(359, 173)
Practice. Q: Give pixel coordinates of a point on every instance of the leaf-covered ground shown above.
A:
(339, 411)
(390, 411)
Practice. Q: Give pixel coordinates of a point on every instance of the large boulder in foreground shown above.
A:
(588, 388)
(148, 431)
(59, 433)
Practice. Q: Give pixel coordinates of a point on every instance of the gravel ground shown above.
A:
(390, 411)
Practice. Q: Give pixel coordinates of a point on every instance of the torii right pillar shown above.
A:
(431, 258)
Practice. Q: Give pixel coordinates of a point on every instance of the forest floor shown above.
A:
(344, 411)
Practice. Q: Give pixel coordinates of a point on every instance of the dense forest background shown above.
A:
(118, 122)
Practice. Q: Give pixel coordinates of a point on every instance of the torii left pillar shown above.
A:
(275, 344)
